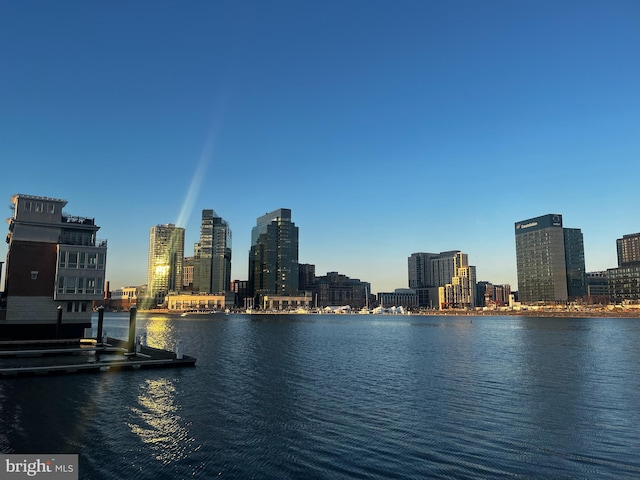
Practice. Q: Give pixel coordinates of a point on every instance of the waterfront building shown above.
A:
(337, 289)
(550, 260)
(400, 297)
(502, 294)
(302, 303)
(187, 273)
(624, 281)
(54, 261)
(574, 261)
(461, 291)
(166, 259)
(419, 270)
(488, 294)
(180, 302)
(124, 298)
(212, 255)
(598, 286)
(484, 293)
(240, 290)
(628, 248)
(273, 257)
(306, 277)
(430, 271)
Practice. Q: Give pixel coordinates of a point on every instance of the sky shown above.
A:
(387, 127)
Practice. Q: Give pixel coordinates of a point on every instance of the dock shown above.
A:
(24, 358)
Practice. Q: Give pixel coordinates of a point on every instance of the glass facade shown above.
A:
(212, 263)
(541, 261)
(574, 258)
(166, 258)
(273, 257)
(624, 283)
(628, 249)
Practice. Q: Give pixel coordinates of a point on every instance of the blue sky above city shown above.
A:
(387, 127)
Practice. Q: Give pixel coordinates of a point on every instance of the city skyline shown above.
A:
(386, 129)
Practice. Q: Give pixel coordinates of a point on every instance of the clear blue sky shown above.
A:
(388, 127)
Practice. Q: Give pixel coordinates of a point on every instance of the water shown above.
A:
(335, 397)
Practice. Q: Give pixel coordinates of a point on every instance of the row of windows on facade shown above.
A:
(39, 207)
(76, 306)
(80, 285)
(81, 260)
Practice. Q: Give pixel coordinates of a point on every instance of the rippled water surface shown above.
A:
(371, 397)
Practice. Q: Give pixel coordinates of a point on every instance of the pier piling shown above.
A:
(132, 329)
(100, 324)
(59, 322)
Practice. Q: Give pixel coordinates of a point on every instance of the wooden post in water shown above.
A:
(100, 324)
(132, 329)
(59, 322)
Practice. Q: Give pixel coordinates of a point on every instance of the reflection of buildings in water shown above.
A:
(160, 425)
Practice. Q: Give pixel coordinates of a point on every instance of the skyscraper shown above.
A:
(212, 255)
(273, 257)
(574, 260)
(166, 257)
(419, 273)
(430, 271)
(550, 260)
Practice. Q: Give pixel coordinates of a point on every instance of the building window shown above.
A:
(70, 283)
(61, 285)
(73, 259)
(82, 259)
(51, 208)
(27, 206)
(34, 275)
(91, 260)
(39, 207)
(69, 306)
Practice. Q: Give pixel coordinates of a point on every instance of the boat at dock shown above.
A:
(197, 312)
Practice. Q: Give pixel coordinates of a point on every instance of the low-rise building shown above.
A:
(184, 302)
(400, 297)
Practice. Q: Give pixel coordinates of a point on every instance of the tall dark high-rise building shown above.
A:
(212, 255)
(574, 260)
(306, 276)
(419, 272)
(550, 260)
(273, 257)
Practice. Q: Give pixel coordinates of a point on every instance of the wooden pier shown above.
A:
(43, 357)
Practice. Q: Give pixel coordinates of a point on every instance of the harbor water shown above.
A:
(347, 396)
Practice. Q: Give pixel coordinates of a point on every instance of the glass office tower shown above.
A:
(166, 259)
(212, 255)
(550, 260)
(273, 257)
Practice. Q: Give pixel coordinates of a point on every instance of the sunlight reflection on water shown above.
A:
(160, 425)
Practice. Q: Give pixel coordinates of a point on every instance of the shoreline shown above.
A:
(617, 313)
